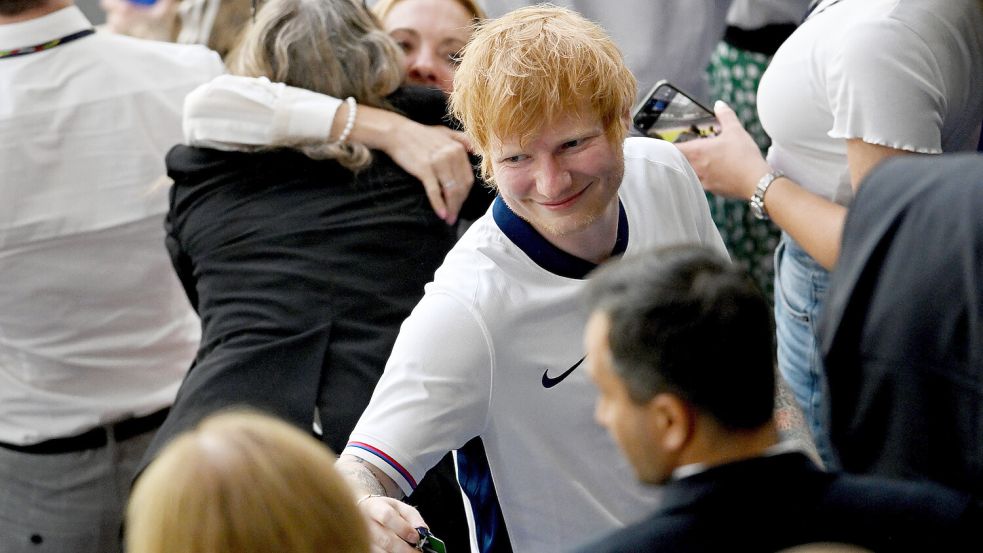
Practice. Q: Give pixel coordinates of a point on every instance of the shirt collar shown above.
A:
(42, 29)
(696, 468)
(545, 254)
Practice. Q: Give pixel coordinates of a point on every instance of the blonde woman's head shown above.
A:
(243, 483)
(431, 34)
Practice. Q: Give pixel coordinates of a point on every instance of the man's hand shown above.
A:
(392, 523)
(436, 155)
(729, 164)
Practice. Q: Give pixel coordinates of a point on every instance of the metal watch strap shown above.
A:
(757, 202)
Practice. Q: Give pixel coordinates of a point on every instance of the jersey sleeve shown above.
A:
(433, 396)
(884, 87)
(244, 113)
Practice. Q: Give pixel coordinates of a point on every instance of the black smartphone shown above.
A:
(670, 114)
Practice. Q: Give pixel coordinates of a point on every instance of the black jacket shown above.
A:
(767, 504)
(301, 272)
(902, 332)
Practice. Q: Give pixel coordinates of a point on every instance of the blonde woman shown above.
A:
(244, 483)
(431, 34)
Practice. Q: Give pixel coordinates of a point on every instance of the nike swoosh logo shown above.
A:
(550, 382)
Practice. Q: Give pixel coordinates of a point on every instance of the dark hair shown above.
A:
(17, 7)
(686, 321)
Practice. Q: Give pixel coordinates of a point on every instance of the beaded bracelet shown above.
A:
(350, 123)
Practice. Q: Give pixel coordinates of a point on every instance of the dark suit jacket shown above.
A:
(770, 503)
(902, 331)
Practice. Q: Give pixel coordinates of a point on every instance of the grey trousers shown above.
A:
(67, 503)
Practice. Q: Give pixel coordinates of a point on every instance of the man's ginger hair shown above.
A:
(529, 67)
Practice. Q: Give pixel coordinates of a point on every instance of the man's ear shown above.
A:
(673, 419)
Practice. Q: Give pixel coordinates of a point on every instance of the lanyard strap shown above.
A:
(45, 45)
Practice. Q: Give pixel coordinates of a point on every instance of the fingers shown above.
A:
(431, 185)
(461, 138)
(452, 167)
(392, 524)
(411, 515)
(726, 115)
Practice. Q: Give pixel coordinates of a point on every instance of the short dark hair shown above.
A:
(17, 7)
(686, 321)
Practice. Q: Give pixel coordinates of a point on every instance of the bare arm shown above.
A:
(365, 479)
(243, 113)
(392, 523)
(731, 164)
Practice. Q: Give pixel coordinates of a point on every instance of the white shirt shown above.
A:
(907, 74)
(94, 326)
(241, 113)
(503, 317)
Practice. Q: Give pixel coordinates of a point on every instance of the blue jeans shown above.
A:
(800, 292)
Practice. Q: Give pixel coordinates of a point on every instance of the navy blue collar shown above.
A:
(545, 254)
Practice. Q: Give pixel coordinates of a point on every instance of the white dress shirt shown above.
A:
(244, 113)
(94, 326)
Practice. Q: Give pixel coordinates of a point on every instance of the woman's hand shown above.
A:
(436, 155)
(729, 164)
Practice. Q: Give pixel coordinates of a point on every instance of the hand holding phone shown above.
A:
(670, 114)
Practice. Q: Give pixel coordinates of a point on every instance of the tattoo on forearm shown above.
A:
(357, 471)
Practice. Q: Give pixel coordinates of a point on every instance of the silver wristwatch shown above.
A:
(757, 202)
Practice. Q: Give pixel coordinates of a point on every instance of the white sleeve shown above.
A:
(434, 394)
(242, 113)
(885, 88)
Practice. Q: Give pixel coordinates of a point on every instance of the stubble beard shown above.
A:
(579, 222)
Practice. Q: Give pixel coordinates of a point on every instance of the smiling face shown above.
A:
(431, 33)
(563, 181)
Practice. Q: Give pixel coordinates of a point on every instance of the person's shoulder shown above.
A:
(193, 61)
(192, 164)
(481, 270)
(421, 104)
(654, 151)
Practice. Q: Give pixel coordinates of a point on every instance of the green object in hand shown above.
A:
(428, 543)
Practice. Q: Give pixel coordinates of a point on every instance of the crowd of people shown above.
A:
(400, 277)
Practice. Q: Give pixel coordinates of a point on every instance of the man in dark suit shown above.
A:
(679, 345)
(902, 331)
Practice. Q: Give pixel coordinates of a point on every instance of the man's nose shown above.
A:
(552, 180)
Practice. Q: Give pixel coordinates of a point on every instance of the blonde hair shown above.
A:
(383, 7)
(530, 66)
(333, 47)
(243, 483)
